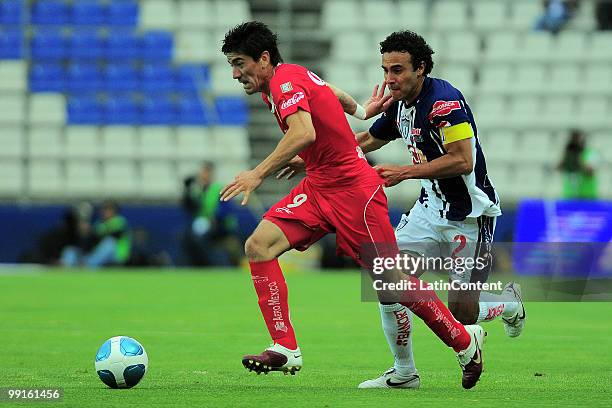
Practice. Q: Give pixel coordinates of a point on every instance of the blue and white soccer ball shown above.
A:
(121, 362)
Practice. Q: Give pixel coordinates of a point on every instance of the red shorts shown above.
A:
(359, 217)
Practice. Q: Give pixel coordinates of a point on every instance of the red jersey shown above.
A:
(334, 160)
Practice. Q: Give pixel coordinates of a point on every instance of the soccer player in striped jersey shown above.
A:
(458, 205)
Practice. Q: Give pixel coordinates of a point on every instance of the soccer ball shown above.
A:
(121, 362)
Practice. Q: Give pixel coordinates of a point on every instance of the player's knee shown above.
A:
(465, 313)
(256, 249)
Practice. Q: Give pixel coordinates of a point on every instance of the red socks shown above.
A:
(271, 290)
(426, 304)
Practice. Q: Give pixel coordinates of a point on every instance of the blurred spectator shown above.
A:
(578, 168)
(556, 15)
(210, 238)
(72, 231)
(112, 241)
(603, 14)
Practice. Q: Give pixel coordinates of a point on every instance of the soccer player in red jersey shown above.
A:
(341, 193)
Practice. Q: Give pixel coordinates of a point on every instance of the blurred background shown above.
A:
(120, 122)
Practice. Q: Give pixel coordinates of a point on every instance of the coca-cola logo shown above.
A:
(298, 96)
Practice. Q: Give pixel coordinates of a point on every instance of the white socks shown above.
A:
(397, 325)
(493, 305)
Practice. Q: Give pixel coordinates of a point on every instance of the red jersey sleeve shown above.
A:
(289, 94)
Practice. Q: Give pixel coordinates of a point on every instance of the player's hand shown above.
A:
(245, 182)
(378, 102)
(392, 173)
(293, 167)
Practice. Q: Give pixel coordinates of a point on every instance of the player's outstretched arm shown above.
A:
(369, 143)
(376, 104)
(300, 135)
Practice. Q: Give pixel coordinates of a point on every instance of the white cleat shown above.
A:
(514, 326)
(274, 358)
(470, 359)
(390, 379)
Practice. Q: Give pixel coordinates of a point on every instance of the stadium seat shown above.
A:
(13, 141)
(222, 81)
(352, 47)
(83, 178)
(12, 108)
(559, 112)
(536, 47)
(123, 13)
(535, 148)
(124, 45)
(157, 142)
(84, 76)
(45, 142)
(119, 142)
(351, 16)
(89, 12)
(564, 79)
(82, 142)
(119, 178)
(597, 79)
(121, 77)
(569, 46)
(192, 111)
(525, 112)
(158, 14)
(461, 77)
(349, 78)
(490, 16)
(50, 12)
(529, 79)
(11, 43)
(495, 79)
(524, 13)
(463, 48)
(413, 13)
(47, 109)
(593, 113)
(158, 180)
(122, 110)
(231, 144)
(501, 47)
(87, 45)
(498, 145)
(159, 110)
(157, 78)
(13, 76)
(232, 111)
(86, 109)
(194, 143)
(192, 78)
(600, 41)
(229, 13)
(45, 179)
(49, 44)
(196, 14)
(449, 15)
(195, 45)
(12, 12)
(157, 46)
(47, 77)
(382, 10)
(13, 178)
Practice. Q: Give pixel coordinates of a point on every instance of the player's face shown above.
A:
(403, 81)
(250, 73)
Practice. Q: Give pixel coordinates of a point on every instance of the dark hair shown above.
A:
(252, 39)
(410, 42)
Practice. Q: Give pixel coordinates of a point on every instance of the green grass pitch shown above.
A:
(196, 325)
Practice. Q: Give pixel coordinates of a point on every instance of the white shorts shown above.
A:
(425, 234)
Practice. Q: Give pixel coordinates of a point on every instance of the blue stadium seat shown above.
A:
(121, 77)
(85, 110)
(122, 110)
(157, 77)
(89, 12)
(49, 44)
(192, 78)
(123, 13)
(157, 46)
(192, 111)
(50, 12)
(47, 77)
(11, 43)
(232, 110)
(87, 45)
(159, 110)
(84, 77)
(124, 45)
(11, 12)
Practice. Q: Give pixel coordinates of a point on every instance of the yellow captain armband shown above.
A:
(457, 132)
